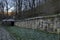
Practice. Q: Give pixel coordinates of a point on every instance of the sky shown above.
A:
(11, 4)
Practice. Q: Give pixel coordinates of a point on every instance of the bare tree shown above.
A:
(1, 10)
(18, 8)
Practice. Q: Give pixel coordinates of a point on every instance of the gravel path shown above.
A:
(4, 35)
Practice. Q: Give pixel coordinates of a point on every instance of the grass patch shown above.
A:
(30, 34)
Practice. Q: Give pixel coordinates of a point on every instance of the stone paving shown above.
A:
(4, 35)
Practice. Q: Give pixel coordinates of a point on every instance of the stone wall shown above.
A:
(48, 24)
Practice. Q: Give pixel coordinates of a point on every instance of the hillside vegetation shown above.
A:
(46, 7)
(51, 7)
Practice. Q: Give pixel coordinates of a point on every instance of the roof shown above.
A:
(8, 20)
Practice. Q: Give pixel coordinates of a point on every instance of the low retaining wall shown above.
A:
(49, 24)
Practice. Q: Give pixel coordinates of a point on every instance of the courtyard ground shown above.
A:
(31, 34)
(5, 35)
